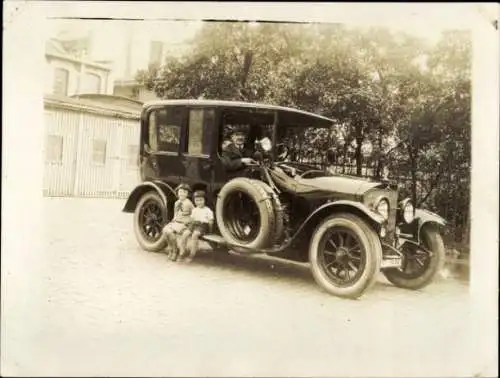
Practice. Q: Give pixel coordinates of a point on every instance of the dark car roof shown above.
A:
(236, 104)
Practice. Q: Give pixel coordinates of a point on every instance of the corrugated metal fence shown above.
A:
(90, 150)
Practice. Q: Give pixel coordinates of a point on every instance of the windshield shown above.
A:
(310, 145)
(330, 147)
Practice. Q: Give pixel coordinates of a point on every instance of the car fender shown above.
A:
(377, 218)
(163, 189)
(427, 217)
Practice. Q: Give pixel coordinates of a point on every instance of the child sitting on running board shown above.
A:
(182, 217)
(202, 219)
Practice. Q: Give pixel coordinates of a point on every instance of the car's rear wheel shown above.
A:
(245, 214)
(345, 255)
(150, 216)
(419, 268)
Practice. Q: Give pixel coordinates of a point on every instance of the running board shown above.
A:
(214, 238)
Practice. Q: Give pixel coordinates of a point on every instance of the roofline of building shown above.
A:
(111, 110)
(94, 96)
(80, 61)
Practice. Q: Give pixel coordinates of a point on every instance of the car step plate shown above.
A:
(392, 261)
(214, 238)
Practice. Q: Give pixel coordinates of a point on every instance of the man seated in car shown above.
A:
(235, 156)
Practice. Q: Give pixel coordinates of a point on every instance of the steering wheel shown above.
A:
(311, 171)
(282, 151)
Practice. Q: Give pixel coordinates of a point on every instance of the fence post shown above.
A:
(79, 157)
(119, 156)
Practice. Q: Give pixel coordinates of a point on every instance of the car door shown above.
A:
(164, 130)
(197, 148)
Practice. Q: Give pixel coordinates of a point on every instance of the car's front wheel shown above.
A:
(345, 255)
(419, 266)
(149, 219)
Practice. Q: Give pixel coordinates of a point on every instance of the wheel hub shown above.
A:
(341, 254)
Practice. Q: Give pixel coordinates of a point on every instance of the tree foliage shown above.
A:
(401, 104)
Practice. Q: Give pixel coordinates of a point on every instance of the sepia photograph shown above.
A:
(250, 189)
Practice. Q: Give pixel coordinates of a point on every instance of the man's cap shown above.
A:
(239, 129)
(183, 186)
(199, 193)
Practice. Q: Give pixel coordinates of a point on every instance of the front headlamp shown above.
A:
(408, 211)
(382, 208)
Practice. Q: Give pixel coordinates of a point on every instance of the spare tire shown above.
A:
(245, 214)
(279, 221)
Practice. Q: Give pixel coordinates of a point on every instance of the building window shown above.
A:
(61, 76)
(132, 156)
(165, 129)
(91, 83)
(99, 152)
(54, 149)
(156, 52)
(201, 124)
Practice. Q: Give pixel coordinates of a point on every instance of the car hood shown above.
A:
(341, 184)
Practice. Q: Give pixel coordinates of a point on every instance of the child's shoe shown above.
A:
(190, 256)
(174, 255)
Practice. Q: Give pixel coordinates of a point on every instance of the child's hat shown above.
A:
(183, 186)
(199, 193)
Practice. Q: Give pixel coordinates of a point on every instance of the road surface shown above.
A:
(93, 304)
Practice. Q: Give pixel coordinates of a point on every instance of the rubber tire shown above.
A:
(369, 240)
(264, 201)
(433, 241)
(161, 243)
(278, 213)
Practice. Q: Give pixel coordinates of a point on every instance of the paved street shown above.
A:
(99, 306)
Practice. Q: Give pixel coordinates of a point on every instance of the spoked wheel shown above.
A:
(149, 220)
(419, 266)
(345, 255)
(341, 256)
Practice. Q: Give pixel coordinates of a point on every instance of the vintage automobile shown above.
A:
(347, 228)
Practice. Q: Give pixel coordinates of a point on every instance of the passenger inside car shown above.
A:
(235, 155)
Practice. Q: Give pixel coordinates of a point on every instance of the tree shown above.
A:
(228, 61)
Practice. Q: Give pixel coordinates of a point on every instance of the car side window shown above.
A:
(165, 129)
(200, 129)
(153, 140)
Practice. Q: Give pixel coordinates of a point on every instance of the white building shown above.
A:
(70, 73)
(91, 147)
